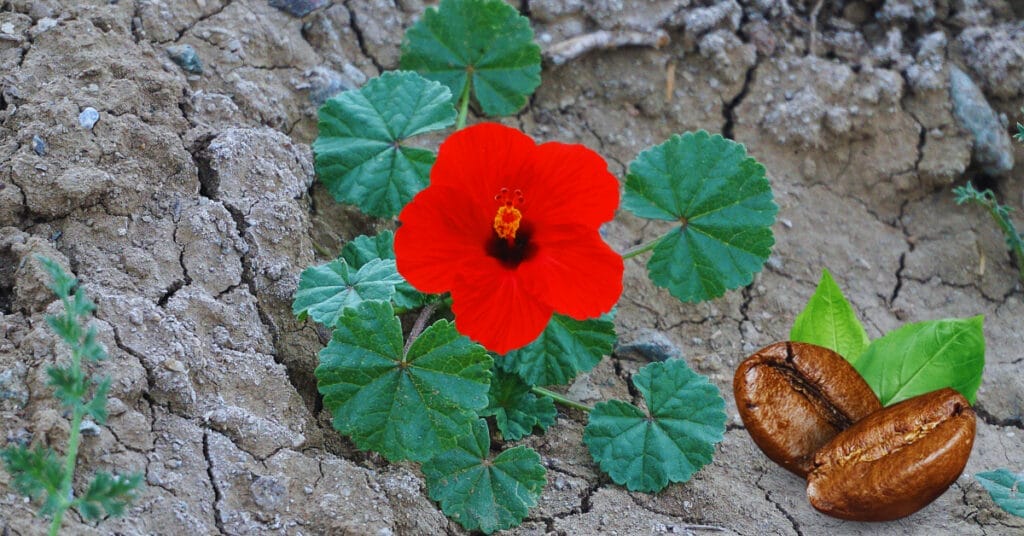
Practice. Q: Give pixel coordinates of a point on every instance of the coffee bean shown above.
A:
(895, 461)
(794, 397)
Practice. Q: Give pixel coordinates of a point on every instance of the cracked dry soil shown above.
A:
(190, 208)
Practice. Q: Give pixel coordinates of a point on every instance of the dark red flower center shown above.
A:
(510, 242)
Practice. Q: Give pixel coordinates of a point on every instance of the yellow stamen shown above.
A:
(506, 222)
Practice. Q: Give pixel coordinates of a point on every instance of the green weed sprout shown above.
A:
(1000, 213)
(39, 472)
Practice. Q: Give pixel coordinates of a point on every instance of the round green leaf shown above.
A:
(724, 203)
(644, 451)
(405, 406)
(360, 155)
(363, 249)
(325, 291)
(1006, 489)
(516, 410)
(565, 348)
(925, 356)
(483, 493)
(486, 39)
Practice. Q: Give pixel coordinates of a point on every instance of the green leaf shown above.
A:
(60, 282)
(360, 152)
(68, 384)
(35, 472)
(483, 493)
(364, 249)
(923, 357)
(325, 291)
(66, 327)
(565, 348)
(486, 38)
(405, 406)
(645, 451)
(1006, 489)
(515, 409)
(82, 305)
(91, 349)
(829, 321)
(724, 202)
(108, 493)
(97, 407)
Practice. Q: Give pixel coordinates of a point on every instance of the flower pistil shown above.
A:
(506, 221)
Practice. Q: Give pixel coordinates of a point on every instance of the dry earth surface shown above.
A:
(189, 209)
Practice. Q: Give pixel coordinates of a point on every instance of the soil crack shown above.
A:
(354, 23)
(988, 418)
(729, 109)
(186, 279)
(201, 18)
(218, 495)
(768, 497)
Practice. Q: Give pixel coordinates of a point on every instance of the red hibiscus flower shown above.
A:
(510, 228)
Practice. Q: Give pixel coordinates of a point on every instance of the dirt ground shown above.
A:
(189, 209)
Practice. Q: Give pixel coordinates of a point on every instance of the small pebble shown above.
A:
(39, 145)
(324, 85)
(89, 428)
(135, 317)
(174, 365)
(88, 117)
(267, 492)
(650, 345)
(186, 58)
(298, 8)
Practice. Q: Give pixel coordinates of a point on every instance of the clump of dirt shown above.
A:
(189, 209)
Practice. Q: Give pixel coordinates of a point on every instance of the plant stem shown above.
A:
(421, 323)
(1013, 238)
(642, 248)
(560, 399)
(69, 470)
(1001, 215)
(74, 438)
(463, 104)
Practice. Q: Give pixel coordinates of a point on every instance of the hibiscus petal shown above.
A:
(442, 230)
(482, 159)
(492, 307)
(573, 271)
(569, 184)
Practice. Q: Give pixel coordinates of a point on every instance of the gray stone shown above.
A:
(186, 58)
(268, 493)
(649, 345)
(298, 8)
(88, 117)
(39, 145)
(992, 150)
(323, 83)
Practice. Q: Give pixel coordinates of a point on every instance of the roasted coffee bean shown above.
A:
(794, 397)
(895, 461)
